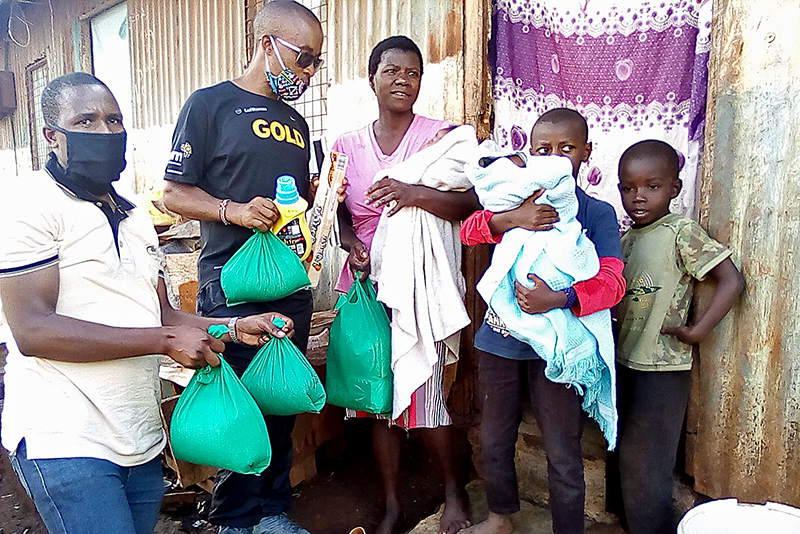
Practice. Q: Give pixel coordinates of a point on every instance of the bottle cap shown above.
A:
(286, 190)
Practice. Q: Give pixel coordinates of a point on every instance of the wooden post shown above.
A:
(477, 82)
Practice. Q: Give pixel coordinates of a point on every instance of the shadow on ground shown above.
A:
(345, 493)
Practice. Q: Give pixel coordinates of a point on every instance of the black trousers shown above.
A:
(652, 406)
(558, 413)
(243, 500)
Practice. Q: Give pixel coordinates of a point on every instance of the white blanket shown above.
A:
(416, 260)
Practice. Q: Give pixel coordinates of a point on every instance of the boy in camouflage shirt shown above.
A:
(663, 253)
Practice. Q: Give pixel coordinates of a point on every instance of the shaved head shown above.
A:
(279, 16)
(53, 94)
(652, 150)
(566, 115)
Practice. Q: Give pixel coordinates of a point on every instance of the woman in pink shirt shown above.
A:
(395, 71)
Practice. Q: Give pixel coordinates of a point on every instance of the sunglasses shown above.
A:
(304, 58)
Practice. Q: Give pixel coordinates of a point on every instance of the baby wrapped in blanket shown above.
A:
(416, 261)
(579, 351)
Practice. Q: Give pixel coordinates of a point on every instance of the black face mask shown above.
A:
(94, 160)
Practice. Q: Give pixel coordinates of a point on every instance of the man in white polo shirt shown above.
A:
(80, 285)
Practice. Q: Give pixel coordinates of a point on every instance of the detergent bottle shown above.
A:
(291, 227)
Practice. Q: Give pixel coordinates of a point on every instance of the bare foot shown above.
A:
(494, 524)
(455, 516)
(391, 519)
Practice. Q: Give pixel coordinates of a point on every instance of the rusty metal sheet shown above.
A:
(357, 26)
(36, 34)
(744, 418)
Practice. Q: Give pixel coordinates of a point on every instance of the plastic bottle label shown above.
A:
(293, 237)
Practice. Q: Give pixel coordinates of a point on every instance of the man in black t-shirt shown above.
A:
(231, 142)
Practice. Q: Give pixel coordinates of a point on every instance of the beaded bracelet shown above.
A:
(223, 206)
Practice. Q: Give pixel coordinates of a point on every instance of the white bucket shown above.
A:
(728, 516)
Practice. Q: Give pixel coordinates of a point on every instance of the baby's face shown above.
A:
(436, 138)
(517, 160)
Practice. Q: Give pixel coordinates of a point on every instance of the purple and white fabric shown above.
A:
(634, 69)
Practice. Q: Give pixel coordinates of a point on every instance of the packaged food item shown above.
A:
(262, 270)
(359, 365)
(281, 380)
(216, 421)
(322, 219)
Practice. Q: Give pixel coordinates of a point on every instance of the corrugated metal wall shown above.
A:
(39, 33)
(179, 46)
(437, 27)
(744, 420)
(354, 27)
(176, 47)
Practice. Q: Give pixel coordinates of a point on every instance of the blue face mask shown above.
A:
(287, 85)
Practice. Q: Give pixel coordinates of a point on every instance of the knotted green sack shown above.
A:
(359, 365)
(216, 422)
(263, 269)
(281, 380)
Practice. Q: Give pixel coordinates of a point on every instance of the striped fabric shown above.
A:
(428, 407)
(25, 269)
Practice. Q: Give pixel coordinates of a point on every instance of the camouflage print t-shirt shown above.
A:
(661, 261)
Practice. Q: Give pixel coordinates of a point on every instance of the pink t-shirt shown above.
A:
(365, 161)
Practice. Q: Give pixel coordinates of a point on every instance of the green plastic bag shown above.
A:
(262, 270)
(216, 421)
(281, 380)
(359, 365)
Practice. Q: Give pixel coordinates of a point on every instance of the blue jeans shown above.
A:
(92, 496)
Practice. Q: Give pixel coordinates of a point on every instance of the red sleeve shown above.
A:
(603, 290)
(475, 229)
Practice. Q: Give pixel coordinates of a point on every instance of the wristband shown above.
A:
(232, 331)
(572, 297)
(223, 206)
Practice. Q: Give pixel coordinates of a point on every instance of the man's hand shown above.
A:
(192, 347)
(686, 334)
(384, 191)
(539, 298)
(259, 213)
(359, 260)
(257, 329)
(342, 191)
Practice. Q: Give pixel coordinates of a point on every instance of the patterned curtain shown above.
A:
(635, 69)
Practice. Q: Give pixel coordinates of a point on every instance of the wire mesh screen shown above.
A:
(36, 79)
(313, 104)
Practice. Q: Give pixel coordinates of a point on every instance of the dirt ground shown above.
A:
(345, 493)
